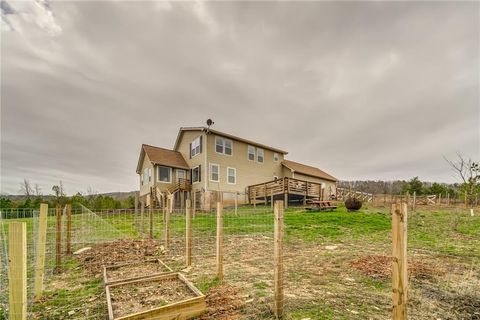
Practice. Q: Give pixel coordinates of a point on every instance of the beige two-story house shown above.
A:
(208, 165)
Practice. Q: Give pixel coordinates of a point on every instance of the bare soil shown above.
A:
(224, 302)
(380, 267)
(121, 251)
(146, 295)
(134, 270)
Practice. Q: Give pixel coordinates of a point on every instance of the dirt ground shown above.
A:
(146, 295)
(336, 277)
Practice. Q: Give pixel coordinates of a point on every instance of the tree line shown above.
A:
(33, 196)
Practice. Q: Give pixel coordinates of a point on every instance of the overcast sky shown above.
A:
(372, 90)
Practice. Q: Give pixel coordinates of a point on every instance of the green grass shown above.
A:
(453, 233)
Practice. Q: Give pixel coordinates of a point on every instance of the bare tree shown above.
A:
(38, 190)
(26, 188)
(469, 173)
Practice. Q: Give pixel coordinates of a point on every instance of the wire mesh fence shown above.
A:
(336, 265)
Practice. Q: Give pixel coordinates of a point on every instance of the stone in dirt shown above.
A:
(331, 247)
(80, 251)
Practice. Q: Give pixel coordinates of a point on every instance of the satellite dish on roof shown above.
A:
(209, 123)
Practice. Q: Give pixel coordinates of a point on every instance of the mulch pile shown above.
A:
(223, 302)
(110, 253)
(380, 267)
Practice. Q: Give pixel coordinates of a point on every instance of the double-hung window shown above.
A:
(275, 157)
(196, 174)
(164, 174)
(231, 175)
(196, 147)
(214, 172)
(260, 156)
(251, 153)
(224, 146)
(146, 175)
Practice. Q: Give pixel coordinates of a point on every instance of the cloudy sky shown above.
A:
(371, 90)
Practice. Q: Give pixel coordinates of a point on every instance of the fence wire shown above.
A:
(336, 265)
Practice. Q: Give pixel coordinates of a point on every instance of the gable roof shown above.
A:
(307, 170)
(226, 135)
(161, 156)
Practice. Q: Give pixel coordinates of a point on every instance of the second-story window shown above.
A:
(275, 157)
(251, 153)
(224, 146)
(196, 147)
(259, 155)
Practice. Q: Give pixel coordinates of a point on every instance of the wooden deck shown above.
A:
(286, 189)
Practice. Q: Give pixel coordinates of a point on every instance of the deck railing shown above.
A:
(285, 186)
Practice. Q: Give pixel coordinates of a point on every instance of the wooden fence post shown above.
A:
(17, 271)
(414, 200)
(220, 241)
(150, 216)
(188, 233)
(136, 209)
(278, 258)
(399, 261)
(42, 237)
(58, 238)
(236, 203)
(166, 232)
(142, 216)
(69, 229)
(194, 203)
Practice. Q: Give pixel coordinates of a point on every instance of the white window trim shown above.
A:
(234, 170)
(263, 156)
(278, 156)
(200, 144)
(192, 175)
(254, 153)
(210, 172)
(158, 175)
(223, 144)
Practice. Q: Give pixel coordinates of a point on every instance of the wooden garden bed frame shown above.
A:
(181, 310)
(106, 269)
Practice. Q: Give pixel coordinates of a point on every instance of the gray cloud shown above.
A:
(362, 90)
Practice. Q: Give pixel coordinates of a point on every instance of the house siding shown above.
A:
(330, 186)
(247, 172)
(199, 159)
(145, 188)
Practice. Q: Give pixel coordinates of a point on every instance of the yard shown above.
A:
(337, 264)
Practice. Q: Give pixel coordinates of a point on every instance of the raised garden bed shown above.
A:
(167, 296)
(133, 271)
